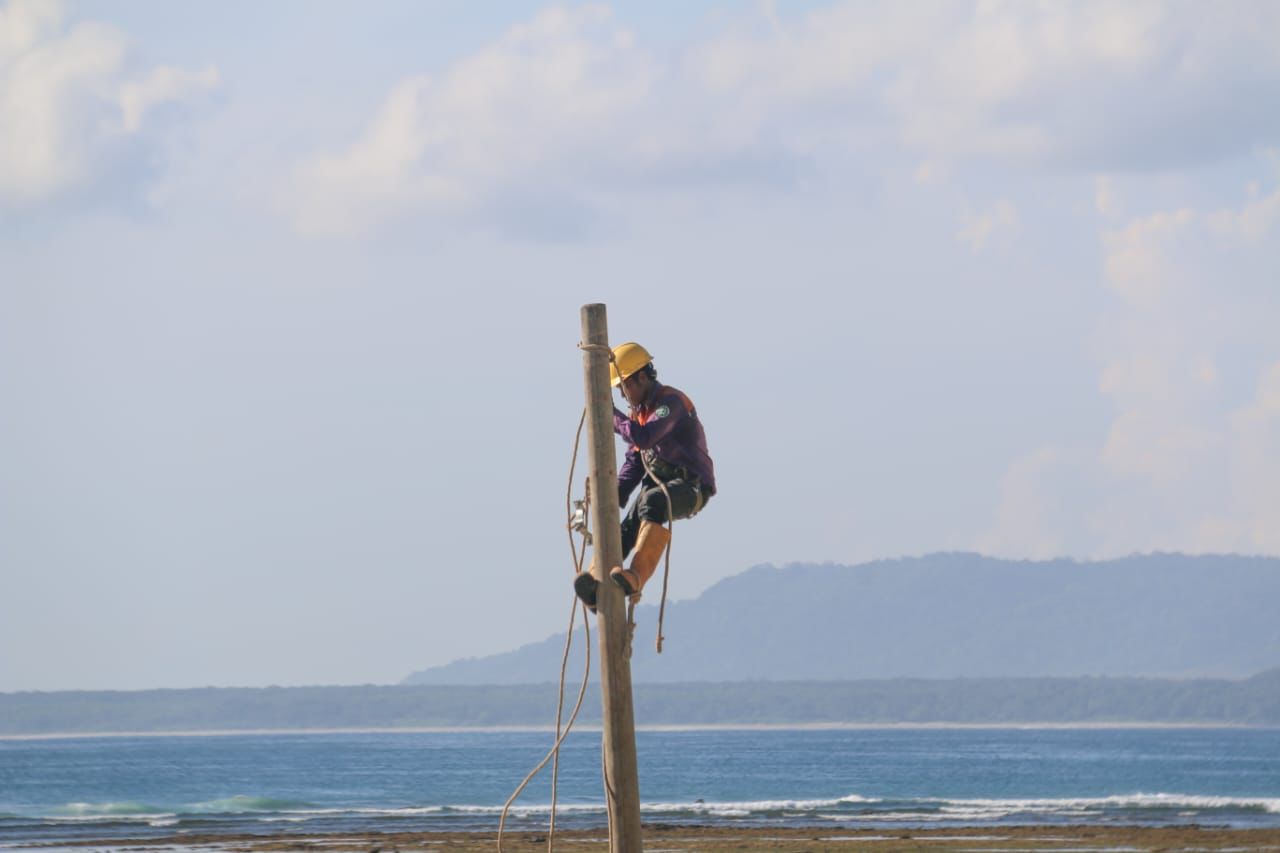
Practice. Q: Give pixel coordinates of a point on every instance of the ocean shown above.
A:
(65, 789)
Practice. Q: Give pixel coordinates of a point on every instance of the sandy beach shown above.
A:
(679, 839)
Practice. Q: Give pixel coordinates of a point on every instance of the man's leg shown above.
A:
(652, 537)
(652, 505)
(631, 525)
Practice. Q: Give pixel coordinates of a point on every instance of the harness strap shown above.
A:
(699, 501)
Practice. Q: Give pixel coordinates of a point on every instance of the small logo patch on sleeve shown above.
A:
(661, 412)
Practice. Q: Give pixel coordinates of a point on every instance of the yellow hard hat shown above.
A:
(627, 359)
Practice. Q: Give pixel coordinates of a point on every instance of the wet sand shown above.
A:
(687, 839)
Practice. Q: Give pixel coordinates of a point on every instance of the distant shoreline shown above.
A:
(595, 727)
(993, 703)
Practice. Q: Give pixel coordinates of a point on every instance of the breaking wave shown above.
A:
(240, 804)
(248, 814)
(77, 811)
(851, 806)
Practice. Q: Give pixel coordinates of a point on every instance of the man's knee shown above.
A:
(653, 506)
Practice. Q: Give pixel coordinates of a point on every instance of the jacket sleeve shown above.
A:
(645, 436)
(629, 475)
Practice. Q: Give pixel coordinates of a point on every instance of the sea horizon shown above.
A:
(660, 727)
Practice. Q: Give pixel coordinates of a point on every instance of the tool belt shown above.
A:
(668, 473)
(664, 470)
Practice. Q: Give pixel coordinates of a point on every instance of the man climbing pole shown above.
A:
(664, 433)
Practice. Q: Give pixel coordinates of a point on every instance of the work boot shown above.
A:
(650, 544)
(586, 585)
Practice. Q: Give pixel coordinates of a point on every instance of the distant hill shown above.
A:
(945, 616)
(992, 701)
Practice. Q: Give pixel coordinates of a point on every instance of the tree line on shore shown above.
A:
(1252, 701)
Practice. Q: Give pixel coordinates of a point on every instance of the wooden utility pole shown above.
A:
(622, 780)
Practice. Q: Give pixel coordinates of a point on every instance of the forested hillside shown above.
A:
(946, 616)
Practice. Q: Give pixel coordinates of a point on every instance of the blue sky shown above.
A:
(289, 302)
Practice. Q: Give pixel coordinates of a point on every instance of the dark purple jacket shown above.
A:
(666, 423)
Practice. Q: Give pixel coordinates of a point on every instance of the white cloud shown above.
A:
(1035, 522)
(569, 105)
(1187, 462)
(67, 102)
(1105, 200)
(1079, 84)
(1252, 222)
(24, 23)
(1140, 266)
(977, 230)
(546, 97)
(1147, 444)
(830, 53)
(928, 172)
(163, 85)
(1255, 464)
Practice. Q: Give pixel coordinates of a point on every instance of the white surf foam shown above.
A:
(1132, 801)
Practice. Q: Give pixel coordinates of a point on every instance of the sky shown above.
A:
(289, 305)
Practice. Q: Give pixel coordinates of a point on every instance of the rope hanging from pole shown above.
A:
(554, 753)
(666, 565)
